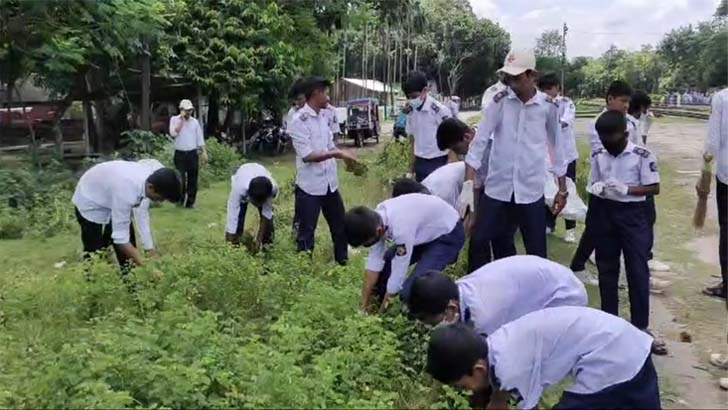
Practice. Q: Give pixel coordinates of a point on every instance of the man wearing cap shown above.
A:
(189, 148)
(525, 127)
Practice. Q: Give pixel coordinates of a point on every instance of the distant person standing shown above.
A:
(716, 146)
(425, 116)
(551, 85)
(454, 105)
(189, 149)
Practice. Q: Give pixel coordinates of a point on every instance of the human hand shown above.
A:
(409, 175)
(597, 188)
(559, 203)
(152, 253)
(204, 158)
(618, 187)
(466, 199)
(385, 302)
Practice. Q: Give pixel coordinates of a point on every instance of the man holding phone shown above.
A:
(189, 149)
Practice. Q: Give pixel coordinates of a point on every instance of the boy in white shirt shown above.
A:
(497, 293)
(608, 358)
(425, 231)
(253, 184)
(105, 197)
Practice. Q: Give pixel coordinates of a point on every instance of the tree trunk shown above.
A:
(416, 50)
(29, 124)
(146, 121)
(365, 56)
(213, 113)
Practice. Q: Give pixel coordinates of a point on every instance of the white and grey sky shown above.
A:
(594, 24)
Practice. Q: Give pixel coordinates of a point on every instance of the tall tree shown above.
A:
(548, 44)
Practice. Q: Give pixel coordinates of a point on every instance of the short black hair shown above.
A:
(548, 80)
(453, 351)
(404, 186)
(416, 81)
(360, 225)
(619, 88)
(430, 294)
(639, 100)
(167, 183)
(295, 89)
(311, 84)
(450, 132)
(610, 123)
(260, 189)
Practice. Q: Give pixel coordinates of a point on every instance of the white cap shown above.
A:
(186, 105)
(518, 62)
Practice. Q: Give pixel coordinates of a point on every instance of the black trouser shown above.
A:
(426, 166)
(550, 218)
(267, 235)
(308, 207)
(721, 194)
(495, 219)
(585, 247)
(651, 215)
(622, 229)
(96, 237)
(188, 165)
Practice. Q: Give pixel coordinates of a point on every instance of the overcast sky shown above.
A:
(594, 24)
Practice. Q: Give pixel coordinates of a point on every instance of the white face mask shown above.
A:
(445, 321)
(416, 103)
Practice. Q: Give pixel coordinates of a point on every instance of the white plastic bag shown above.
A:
(575, 209)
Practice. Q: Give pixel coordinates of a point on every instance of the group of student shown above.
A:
(515, 324)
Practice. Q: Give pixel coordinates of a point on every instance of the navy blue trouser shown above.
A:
(267, 236)
(496, 220)
(651, 215)
(622, 228)
(721, 194)
(424, 167)
(550, 217)
(97, 237)
(307, 208)
(430, 256)
(640, 393)
(188, 165)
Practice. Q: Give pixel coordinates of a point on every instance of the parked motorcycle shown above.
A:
(270, 138)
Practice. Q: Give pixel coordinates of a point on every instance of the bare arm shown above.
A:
(498, 400)
(370, 280)
(128, 250)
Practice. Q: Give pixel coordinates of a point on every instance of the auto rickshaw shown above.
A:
(362, 120)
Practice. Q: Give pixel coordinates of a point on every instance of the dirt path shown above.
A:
(693, 258)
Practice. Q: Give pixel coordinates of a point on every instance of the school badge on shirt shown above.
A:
(401, 250)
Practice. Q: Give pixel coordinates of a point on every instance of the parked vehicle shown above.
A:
(362, 120)
(269, 139)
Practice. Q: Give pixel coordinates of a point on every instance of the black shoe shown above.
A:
(717, 291)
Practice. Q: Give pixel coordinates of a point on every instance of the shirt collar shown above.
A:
(425, 106)
(310, 111)
(537, 98)
(628, 149)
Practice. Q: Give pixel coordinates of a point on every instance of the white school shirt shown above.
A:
(635, 166)
(567, 117)
(330, 113)
(289, 117)
(239, 184)
(508, 288)
(446, 182)
(717, 141)
(482, 172)
(310, 133)
(108, 192)
(190, 137)
(141, 213)
(422, 124)
(521, 135)
(542, 348)
(634, 132)
(646, 120)
(409, 220)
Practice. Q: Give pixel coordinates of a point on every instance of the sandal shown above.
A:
(715, 291)
(659, 347)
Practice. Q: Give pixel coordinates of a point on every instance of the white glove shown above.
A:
(466, 199)
(597, 188)
(409, 175)
(618, 187)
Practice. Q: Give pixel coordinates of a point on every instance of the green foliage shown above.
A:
(393, 162)
(224, 161)
(137, 144)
